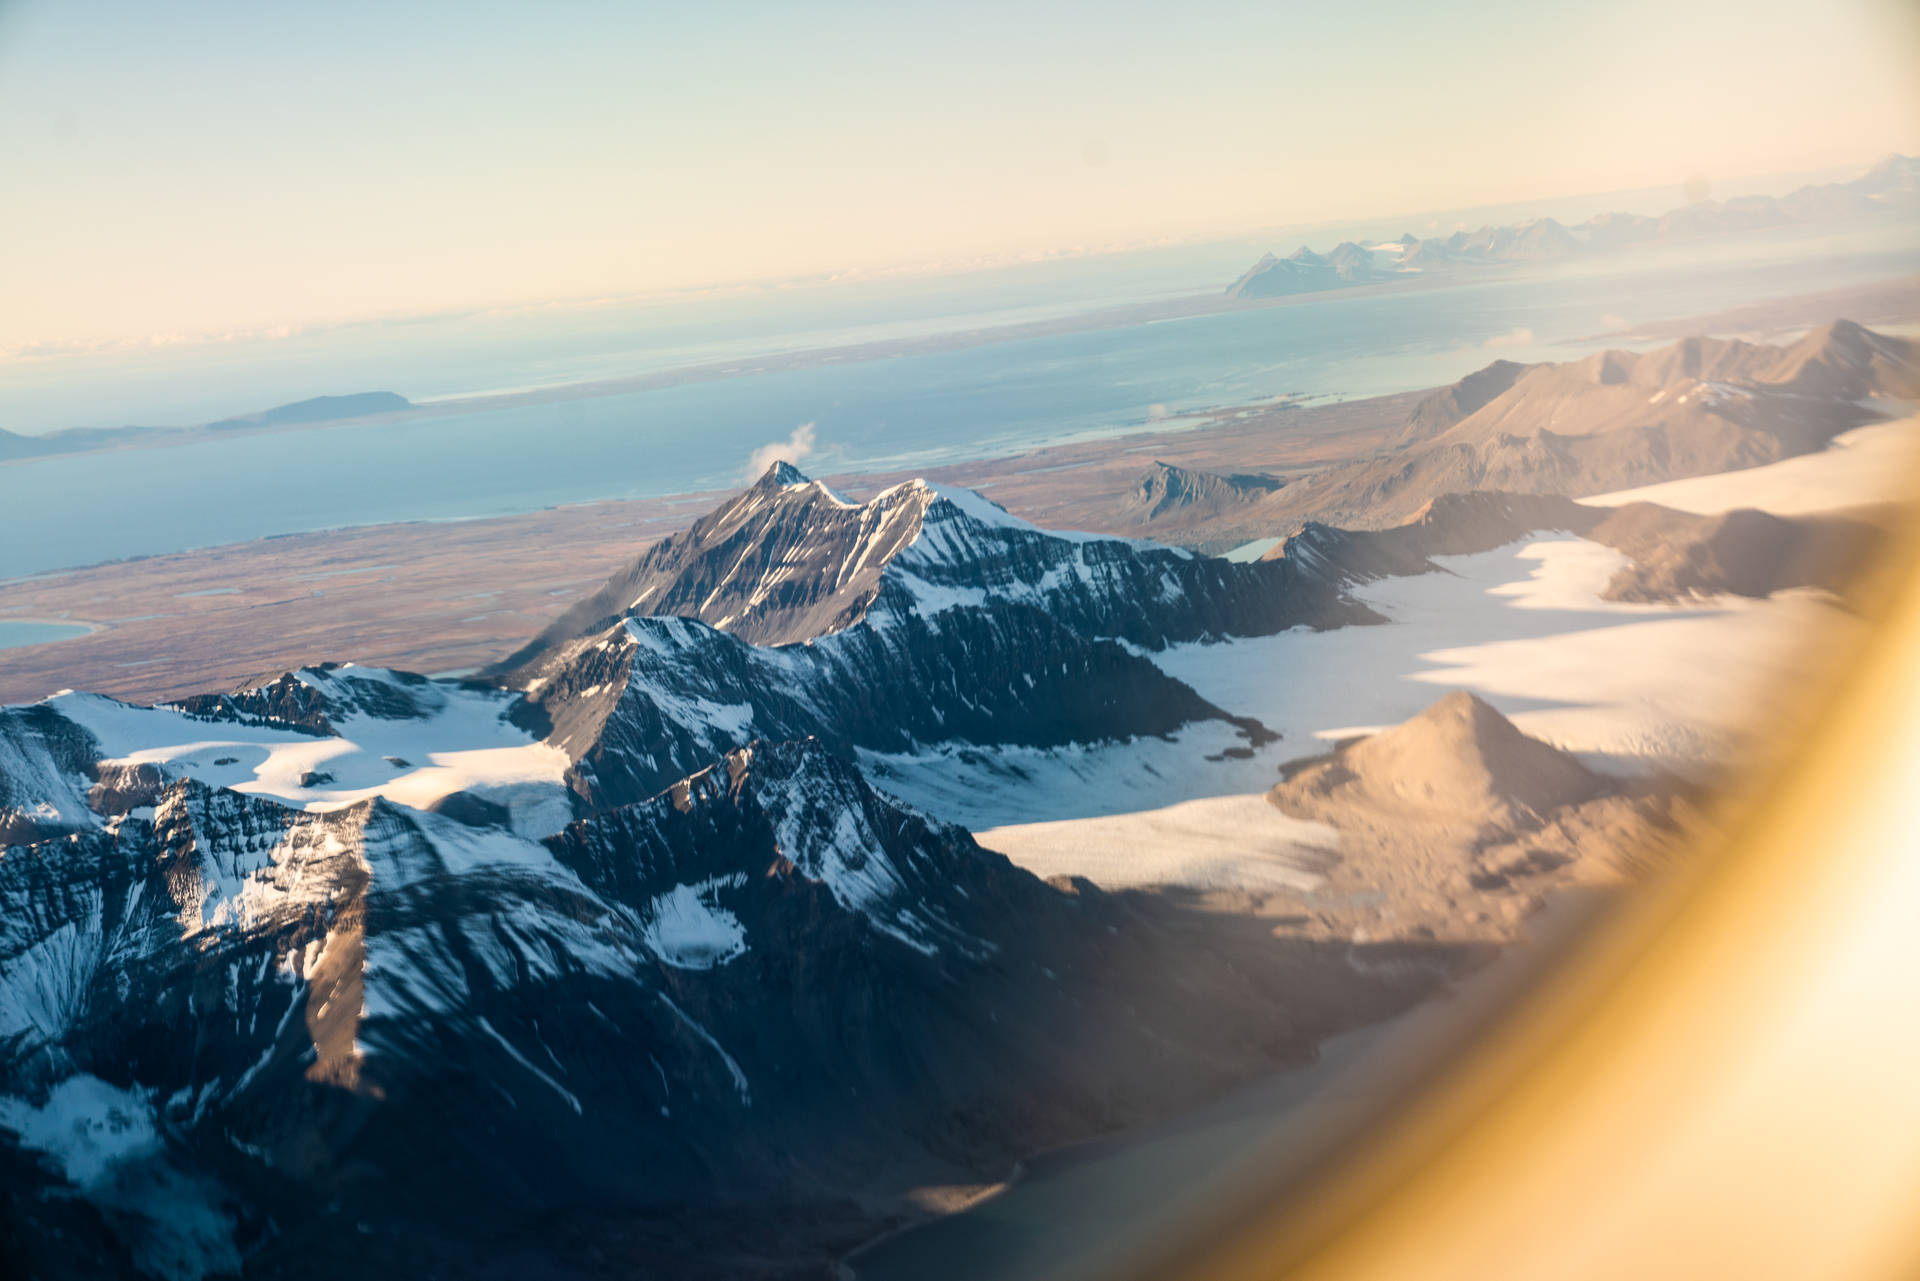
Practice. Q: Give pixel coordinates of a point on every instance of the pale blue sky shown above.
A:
(183, 168)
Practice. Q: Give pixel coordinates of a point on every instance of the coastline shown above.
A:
(1120, 316)
(87, 627)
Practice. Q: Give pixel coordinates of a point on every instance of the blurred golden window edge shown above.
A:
(1643, 1109)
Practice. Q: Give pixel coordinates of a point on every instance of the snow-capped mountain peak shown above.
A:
(790, 560)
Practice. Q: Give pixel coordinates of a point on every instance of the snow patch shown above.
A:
(462, 742)
(1248, 552)
(689, 930)
(732, 1065)
(1216, 843)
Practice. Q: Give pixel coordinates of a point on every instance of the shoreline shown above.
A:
(1115, 316)
(88, 627)
(457, 594)
(1875, 302)
(845, 1267)
(1187, 422)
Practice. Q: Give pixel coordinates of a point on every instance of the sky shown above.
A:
(197, 168)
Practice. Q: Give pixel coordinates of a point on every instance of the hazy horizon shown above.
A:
(224, 171)
(1366, 226)
(553, 343)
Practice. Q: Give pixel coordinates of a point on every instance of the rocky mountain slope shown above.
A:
(1455, 819)
(1614, 420)
(634, 706)
(1673, 555)
(245, 1031)
(921, 620)
(1169, 499)
(349, 964)
(790, 561)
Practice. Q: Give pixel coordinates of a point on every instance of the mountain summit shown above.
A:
(1462, 758)
(788, 560)
(1169, 496)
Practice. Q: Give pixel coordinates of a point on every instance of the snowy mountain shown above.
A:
(1304, 271)
(638, 705)
(241, 1030)
(354, 947)
(1538, 240)
(321, 738)
(789, 560)
(955, 626)
(922, 621)
(1888, 191)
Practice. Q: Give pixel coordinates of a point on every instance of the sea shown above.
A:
(901, 412)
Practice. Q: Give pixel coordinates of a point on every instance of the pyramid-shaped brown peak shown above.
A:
(1463, 759)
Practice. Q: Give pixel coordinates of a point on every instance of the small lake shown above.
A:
(17, 635)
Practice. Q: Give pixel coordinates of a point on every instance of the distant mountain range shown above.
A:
(318, 409)
(1671, 555)
(1613, 420)
(1891, 189)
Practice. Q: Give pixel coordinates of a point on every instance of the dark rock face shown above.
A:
(787, 561)
(768, 988)
(1169, 497)
(285, 700)
(642, 704)
(315, 698)
(46, 764)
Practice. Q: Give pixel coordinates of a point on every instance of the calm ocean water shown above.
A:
(903, 412)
